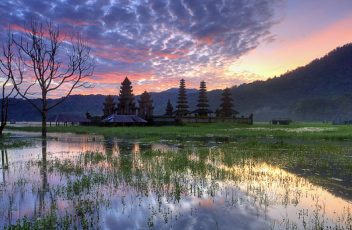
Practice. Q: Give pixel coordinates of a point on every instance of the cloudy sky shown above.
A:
(224, 42)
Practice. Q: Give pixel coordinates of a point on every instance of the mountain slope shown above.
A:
(324, 79)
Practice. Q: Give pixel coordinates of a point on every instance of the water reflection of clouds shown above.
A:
(189, 213)
(287, 194)
(250, 196)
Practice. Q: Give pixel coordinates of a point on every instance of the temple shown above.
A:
(125, 111)
(126, 105)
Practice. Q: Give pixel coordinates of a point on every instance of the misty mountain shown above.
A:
(321, 90)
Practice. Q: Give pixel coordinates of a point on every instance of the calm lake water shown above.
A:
(95, 182)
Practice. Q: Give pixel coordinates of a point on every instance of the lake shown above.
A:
(91, 181)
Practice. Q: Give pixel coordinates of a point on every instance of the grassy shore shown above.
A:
(318, 151)
(226, 131)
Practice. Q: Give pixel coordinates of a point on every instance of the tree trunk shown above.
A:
(44, 112)
(44, 124)
(4, 109)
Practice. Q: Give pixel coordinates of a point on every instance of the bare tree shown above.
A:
(7, 61)
(48, 63)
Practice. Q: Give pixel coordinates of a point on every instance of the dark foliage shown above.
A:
(226, 107)
(109, 106)
(169, 109)
(146, 106)
(316, 84)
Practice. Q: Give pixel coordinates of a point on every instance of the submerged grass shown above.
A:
(6, 142)
(328, 165)
(93, 179)
(242, 157)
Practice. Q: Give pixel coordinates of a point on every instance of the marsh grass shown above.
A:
(7, 142)
(211, 131)
(91, 180)
(244, 158)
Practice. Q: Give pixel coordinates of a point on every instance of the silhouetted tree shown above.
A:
(7, 63)
(126, 104)
(182, 105)
(48, 63)
(109, 106)
(169, 109)
(146, 106)
(203, 106)
(226, 107)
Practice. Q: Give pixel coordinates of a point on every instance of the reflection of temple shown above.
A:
(136, 156)
(111, 147)
(163, 148)
(125, 150)
(135, 148)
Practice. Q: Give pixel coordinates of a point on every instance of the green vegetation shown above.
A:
(222, 131)
(6, 142)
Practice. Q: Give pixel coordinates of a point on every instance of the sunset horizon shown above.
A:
(156, 44)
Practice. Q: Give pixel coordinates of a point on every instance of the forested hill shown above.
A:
(321, 90)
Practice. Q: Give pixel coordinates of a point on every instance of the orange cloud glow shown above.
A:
(276, 58)
(118, 77)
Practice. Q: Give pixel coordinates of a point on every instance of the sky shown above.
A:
(223, 42)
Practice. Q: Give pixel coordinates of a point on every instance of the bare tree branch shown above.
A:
(7, 88)
(39, 65)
